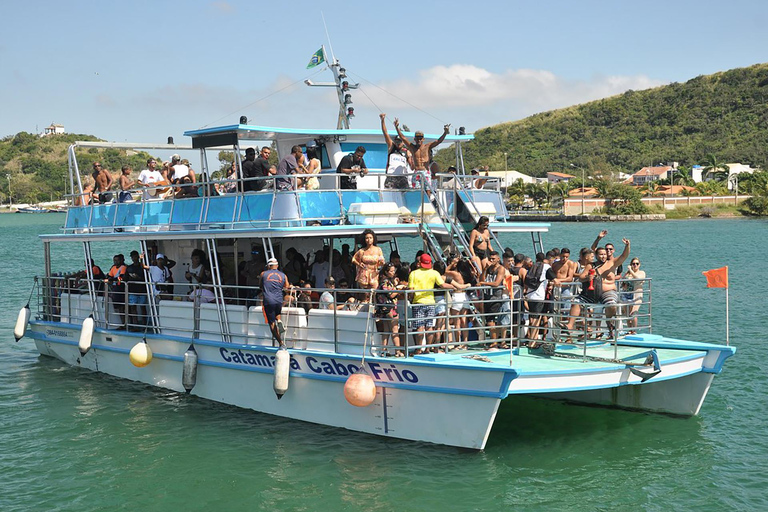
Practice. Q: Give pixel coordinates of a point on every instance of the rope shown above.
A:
(600, 359)
(29, 299)
(394, 96)
(367, 328)
(264, 98)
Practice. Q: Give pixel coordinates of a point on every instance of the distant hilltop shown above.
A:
(724, 114)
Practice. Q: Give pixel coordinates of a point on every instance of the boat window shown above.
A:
(375, 154)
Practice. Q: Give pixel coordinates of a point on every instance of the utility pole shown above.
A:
(10, 196)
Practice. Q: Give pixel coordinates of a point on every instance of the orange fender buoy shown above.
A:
(360, 389)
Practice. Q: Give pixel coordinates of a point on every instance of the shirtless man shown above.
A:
(126, 182)
(584, 273)
(422, 155)
(493, 277)
(564, 270)
(103, 182)
(605, 274)
(609, 248)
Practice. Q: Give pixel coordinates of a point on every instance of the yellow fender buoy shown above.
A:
(282, 371)
(141, 354)
(360, 389)
(86, 335)
(21, 323)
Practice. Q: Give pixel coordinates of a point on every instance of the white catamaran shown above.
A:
(209, 338)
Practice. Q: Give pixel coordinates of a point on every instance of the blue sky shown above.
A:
(140, 71)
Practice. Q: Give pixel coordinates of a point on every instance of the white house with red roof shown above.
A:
(648, 174)
(557, 177)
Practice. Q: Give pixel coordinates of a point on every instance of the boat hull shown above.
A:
(417, 401)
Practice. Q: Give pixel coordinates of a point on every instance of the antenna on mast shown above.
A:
(333, 57)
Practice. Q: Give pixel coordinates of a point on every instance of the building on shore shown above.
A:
(53, 129)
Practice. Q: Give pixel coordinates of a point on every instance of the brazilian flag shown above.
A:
(317, 59)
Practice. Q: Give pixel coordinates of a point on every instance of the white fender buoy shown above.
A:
(360, 390)
(141, 354)
(282, 369)
(189, 373)
(21, 323)
(86, 335)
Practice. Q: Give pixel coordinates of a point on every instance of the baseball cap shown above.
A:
(425, 260)
(272, 261)
(160, 256)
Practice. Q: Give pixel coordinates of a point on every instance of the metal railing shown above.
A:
(348, 320)
(269, 207)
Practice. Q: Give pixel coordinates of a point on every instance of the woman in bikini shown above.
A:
(480, 242)
(368, 260)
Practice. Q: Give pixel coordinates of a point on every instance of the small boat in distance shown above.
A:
(36, 209)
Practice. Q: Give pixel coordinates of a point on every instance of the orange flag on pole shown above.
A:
(717, 278)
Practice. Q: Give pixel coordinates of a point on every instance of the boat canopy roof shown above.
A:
(232, 134)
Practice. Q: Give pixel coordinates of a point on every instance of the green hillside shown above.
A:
(38, 165)
(725, 114)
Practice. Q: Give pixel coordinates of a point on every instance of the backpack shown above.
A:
(533, 277)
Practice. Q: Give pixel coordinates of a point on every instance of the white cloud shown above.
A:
(223, 7)
(475, 94)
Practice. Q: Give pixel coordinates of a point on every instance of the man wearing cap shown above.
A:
(273, 285)
(159, 274)
(422, 155)
(424, 278)
(349, 167)
(181, 173)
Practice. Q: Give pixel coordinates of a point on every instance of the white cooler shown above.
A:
(368, 214)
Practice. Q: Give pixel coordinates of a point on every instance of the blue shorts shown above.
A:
(136, 300)
(271, 312)
(423, 316)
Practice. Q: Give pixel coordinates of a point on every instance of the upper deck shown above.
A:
(328, 207)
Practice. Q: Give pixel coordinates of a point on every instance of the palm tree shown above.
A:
(719, 170)
(683, 177)
(516, 193)
(536, 192)
(560, 192)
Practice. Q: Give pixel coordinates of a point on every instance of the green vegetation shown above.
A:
(689, 212)
(707, 120)
(38, 165)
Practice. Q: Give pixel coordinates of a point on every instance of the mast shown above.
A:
(343, 90)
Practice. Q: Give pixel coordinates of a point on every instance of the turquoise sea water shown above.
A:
(74, 440)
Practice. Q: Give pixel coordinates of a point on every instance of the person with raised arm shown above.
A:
(422, 154)
(399, 160)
